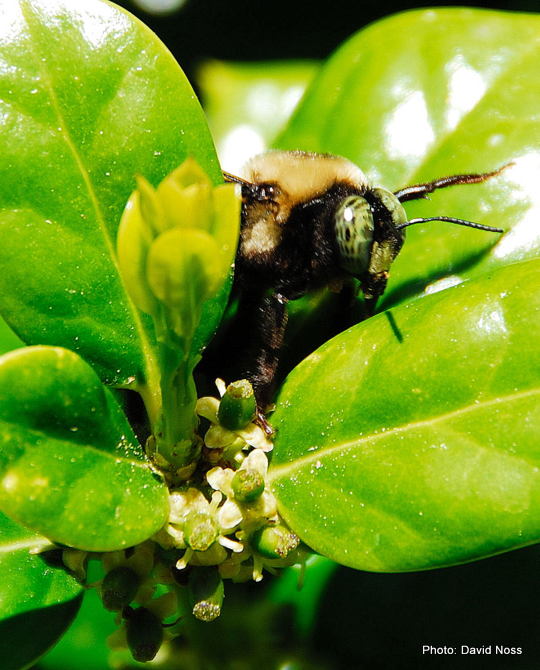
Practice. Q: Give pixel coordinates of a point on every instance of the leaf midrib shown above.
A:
(18, 545)
(287, 469)
(18, 428)
(151, 364)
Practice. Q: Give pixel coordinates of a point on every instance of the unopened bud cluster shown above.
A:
(176, 244)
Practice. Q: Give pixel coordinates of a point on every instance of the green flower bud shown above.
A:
(237, 407)
(247, 485)
(200, 531)
(180, 260)
(176, 244)
(186, 197)
(144, 634)
(206, 593)
(133, 242)
(150, 206)
(274, 541)
(119, 587)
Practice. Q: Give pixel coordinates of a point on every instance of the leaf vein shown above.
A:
(150, 361)
(288, 468)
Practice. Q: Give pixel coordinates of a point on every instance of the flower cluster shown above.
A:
(238, 530)
(223, 524)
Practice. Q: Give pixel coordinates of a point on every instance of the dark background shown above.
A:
(368, 620)
(276, 29)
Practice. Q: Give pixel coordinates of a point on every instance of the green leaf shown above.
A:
(37, 601)
(411, 440)
(70, 465)
(8, 339)
(89, 98)
(429, 93)
(247, 104)
(85, 641)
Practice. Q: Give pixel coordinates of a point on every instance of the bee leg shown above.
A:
(266, 333)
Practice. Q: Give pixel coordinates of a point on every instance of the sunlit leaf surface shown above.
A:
(411, 440)
(70, 465)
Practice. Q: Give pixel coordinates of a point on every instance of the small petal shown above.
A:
(112, 559)
(208, 408)
(217, 497)
(221, 387)
(237, 547)
(145, 593)
(220, 479)
(216, 436)
(75, 560)
(256, 437)
(256, 460)
(263, 509)
(184, 502)
(142, 559)
(214, 555)
(164, 606)
(229, 515)
(170, 537)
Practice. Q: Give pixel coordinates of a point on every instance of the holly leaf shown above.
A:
(89, 98)
(8, 339)
(411, 440)
(429, 93)
(70, 466)
(37, 601)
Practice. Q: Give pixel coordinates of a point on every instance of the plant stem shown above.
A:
(176, 439)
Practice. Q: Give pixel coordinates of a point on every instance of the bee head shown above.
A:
(369, 234)
(370, 231)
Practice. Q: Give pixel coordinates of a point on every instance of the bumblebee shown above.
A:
(312, 220)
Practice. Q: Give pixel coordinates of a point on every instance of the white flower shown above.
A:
(197, 525)
(218, 437)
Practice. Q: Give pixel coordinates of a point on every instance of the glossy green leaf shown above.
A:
(70, 465)
(429, 93)
(8, 339)
(247, 104)
(411, 440)
(89, 98)
(37, 601)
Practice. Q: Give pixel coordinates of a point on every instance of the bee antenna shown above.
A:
(231, 178)
(449, 219)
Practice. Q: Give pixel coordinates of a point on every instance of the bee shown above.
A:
(311, 220)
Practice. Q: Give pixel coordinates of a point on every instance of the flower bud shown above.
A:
(206, 593)
(144, 634)
(119, 587)
(247, 485)
(237, 407)
(176, 244)
(186, 197)
(274, 541)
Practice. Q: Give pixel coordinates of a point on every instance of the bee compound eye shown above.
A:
(390, 202)
(353, 227)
